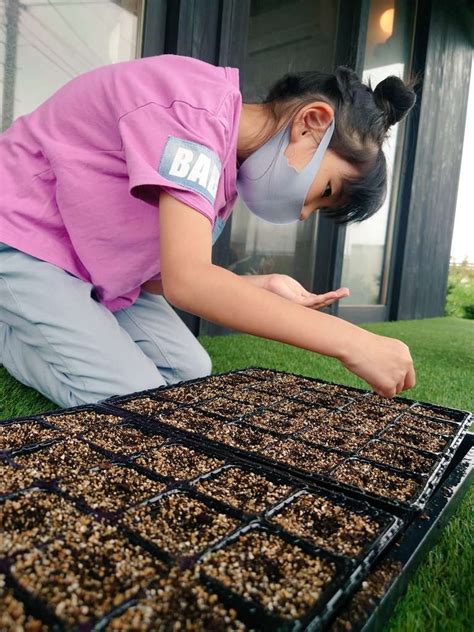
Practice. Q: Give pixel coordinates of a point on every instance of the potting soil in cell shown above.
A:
(217, 494)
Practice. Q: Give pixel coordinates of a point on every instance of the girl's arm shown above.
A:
(192, 283)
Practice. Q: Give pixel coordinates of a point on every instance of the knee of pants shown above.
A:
(199, 364)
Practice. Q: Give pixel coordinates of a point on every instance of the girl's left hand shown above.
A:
(289, 288)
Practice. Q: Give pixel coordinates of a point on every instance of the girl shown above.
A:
(116, 187)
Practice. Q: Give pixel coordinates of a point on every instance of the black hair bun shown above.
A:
(394, 97)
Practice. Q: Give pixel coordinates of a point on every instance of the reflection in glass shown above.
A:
(45, 43)
(367, 244)
(284, 36)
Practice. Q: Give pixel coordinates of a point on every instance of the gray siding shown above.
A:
(423, 265)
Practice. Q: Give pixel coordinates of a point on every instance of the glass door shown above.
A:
(368, 245)
(284, 36)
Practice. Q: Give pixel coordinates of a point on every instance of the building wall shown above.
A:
(423, 260)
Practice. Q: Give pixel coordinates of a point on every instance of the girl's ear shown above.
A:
(314, 119)
(317, 117)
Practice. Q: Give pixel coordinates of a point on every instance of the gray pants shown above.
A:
(57, 339)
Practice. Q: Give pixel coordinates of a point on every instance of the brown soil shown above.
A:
(124, 440)
(432, 412)
(13, 617)
(335, 389)
(392, 403)
(306, 457)
(332, 438)
(147, 406)
(178, 602)
(373, 588)
(327, 525)
(111, 488)
(179, 524)
(17, 435)
(354, 421)
(243, 489)
(228, 408)
(375, 480)
(283, 390)
(79, 421)
(270, 420)
(234, 378)
(380, 414)
(34, 518)
(13, 479)
(242, 437)
(411, 437)
(90, 570)
(428, 425)
(399, 456)
(250, 395)
(178, 462)
(294, 407)
(192, 420)
(316, 397)
(191, 394)
(60, 459)
(264, 568)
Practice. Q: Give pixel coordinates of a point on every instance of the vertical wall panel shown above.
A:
(424, 264)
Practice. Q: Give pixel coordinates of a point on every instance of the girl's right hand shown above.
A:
(384, 363)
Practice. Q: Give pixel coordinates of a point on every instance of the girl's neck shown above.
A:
(255, 127)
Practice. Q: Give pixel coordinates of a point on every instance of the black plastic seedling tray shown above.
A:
(369, 611)
(348, 570)
(107, 444)
(201, 415)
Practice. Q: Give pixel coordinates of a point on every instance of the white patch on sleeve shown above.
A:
(191, 165)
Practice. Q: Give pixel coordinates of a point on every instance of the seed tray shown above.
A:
(390, 427)
(25, 433)
(251, 612)
(398, 456)
(12, 611)
(372, 605)
(272, 449)
(41, 549)
(80, 573)
(291, 490)
(110, 488)
(76, 419)
(268, 581)
(177, 599)
(247, 489)
(47, 463)
(42, 546)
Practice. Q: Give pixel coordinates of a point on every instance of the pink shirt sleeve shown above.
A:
(178, 147)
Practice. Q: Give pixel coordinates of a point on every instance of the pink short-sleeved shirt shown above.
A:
(80, 175)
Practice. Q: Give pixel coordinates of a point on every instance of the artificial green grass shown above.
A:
(440, 597)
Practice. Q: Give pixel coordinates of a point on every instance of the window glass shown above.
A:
(368, 244)
(45, 43)
(284, 36)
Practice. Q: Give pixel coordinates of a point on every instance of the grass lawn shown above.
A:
(441, 595)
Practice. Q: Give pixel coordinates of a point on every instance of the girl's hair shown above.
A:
(363, 117)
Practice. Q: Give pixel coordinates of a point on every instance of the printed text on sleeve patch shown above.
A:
(191, 165)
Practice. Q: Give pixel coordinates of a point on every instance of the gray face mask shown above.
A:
(270, 187)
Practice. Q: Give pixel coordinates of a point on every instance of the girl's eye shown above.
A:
(328, 188)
